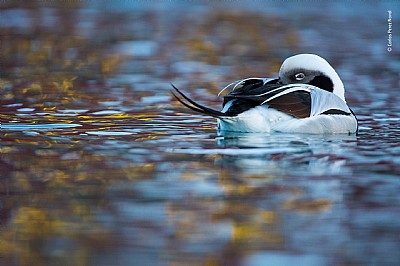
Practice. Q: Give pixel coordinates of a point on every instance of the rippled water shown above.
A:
(100, 165)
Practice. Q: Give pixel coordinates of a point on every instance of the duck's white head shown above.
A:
(311, 69)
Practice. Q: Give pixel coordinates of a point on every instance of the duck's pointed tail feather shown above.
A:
(189, 103)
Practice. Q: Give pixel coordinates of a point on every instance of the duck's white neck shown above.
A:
(338, 87)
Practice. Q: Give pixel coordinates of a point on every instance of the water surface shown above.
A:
(101, 166)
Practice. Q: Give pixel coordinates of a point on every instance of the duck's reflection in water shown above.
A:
(286, 154)
(278, 191)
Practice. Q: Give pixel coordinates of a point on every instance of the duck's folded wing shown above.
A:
(294, 100)
(296, 103)
(300, 100)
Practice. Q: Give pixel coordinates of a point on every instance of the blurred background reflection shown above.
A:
(100, 166)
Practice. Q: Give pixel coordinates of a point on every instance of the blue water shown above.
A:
(108, 169)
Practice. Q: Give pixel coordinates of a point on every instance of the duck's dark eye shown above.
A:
(299, 76)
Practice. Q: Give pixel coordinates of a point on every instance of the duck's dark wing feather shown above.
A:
(189, 103)
(244, 92)
(252, 87)
(296, 103)
(293, 100)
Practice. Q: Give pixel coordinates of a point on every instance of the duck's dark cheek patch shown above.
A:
(322, 82)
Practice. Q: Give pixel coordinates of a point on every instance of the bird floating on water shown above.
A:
(307, 97)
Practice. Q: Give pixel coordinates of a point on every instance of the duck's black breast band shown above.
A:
(335, 112)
